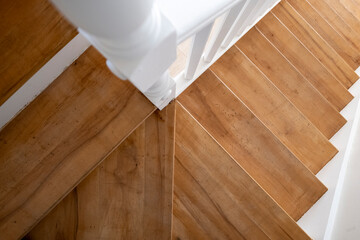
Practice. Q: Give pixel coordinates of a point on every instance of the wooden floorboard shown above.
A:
(274, 109)
(345, 14)
(31, 32)
(327, 12)
(291, 83)
(129, 196)
(60, 223)
(315, 44)
(61, 137)
(332, 37)
(306, 63)
(252, 145)
(216, 197)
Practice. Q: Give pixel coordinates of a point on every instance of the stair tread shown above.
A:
(60, 137)
(352, 37)
(252, 145)
(215, 198)
(274, 109)
(291, 83)
(304, 61)
(322, 27)
(25, 47)
(345, 14)
(315, 44)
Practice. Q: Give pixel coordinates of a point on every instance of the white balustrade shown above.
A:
(139, 37)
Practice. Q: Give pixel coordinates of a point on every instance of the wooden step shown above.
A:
(215, 198)
(322, 27)
(60, 137)
(252, 145)
(315, 44)
(129, 196)
(291, 83)
(304, 61)
(291, 127)
(31, 33)
(345, 13)
(352, 37)
(353, 6)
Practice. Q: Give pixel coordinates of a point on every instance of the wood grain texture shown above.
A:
(327, 12)
(267, 103)
(304, 61)
(61, 137)
(215, 198)
(345, 13)
(31, 33)
(129, 196)
(291, 83)
(315, 44)
(332, 37)
(60, 224)
(252, 145)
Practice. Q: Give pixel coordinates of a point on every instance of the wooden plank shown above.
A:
(352, 37)
(345, 14)
(291, 127)
(129, 196)
(60, 223)
(218, 197)
(32, 32)
(291, 83)
(304, 61)
(252, 145)
(333, 38)
(61, 137)
(315, 44)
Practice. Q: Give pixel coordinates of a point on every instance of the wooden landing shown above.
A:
(130, 193)
(61, 137)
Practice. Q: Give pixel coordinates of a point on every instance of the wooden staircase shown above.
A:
(234, 157)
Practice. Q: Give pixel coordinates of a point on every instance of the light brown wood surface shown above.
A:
(252, 145)
(304, 61)
(60, 224)
(332, 37)
(291, 83)
(61, 137)
(267, 103)
(215, 198)
(345, 14)
(327, 12)
(129, 196)
(31, 32)
(315, 44)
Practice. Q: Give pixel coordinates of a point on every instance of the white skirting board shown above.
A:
(42, 79)
(315, 221)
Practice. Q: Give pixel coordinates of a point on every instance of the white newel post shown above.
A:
(137, 39)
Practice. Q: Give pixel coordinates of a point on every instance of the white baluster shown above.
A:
(226, 26)
(243, 15)
(196, 51)
(253, 14)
